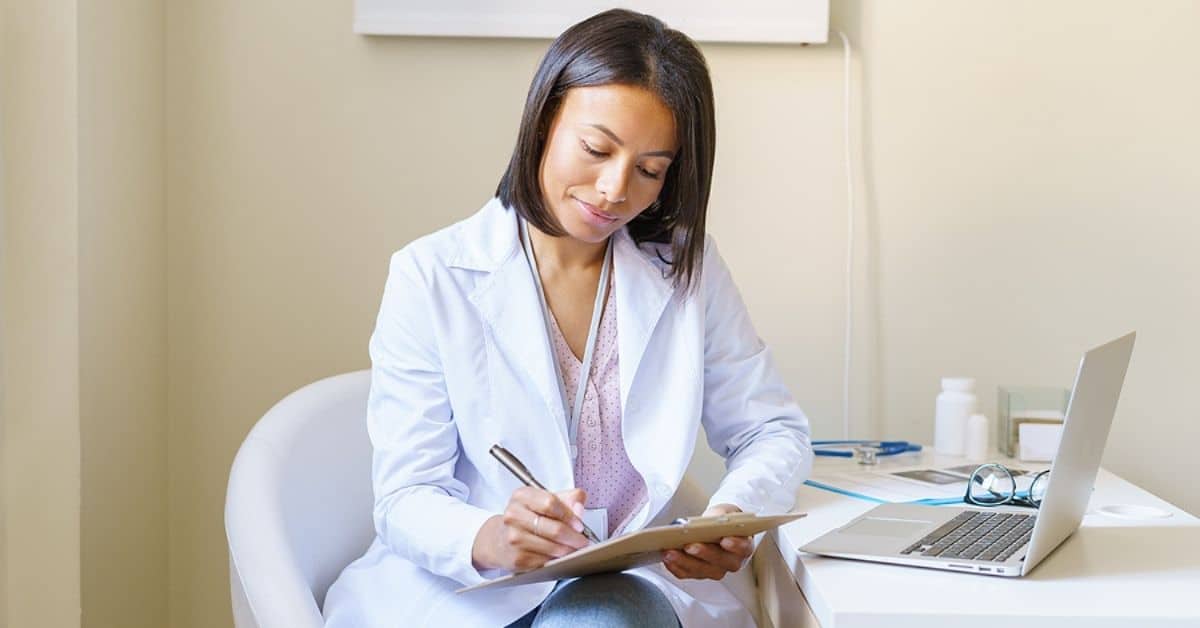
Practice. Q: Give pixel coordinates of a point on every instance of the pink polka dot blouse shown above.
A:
(602, 468)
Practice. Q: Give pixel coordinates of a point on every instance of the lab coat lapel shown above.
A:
(642, 295)
(507, 300)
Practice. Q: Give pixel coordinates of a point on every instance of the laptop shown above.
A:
(1001, 541)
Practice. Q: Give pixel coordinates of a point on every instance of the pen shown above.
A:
(518, 469)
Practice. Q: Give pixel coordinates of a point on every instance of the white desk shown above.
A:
(1111, 572)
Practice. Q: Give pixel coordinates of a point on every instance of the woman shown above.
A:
(583, 320)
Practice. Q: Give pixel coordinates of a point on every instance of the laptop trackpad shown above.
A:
(872, 526)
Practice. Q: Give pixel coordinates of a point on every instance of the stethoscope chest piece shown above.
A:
(865, 454)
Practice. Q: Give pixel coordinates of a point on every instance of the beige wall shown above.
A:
(1036, 187)
(84, 321)
(299, 157)
(40, 336)
(3, 360)
(123, 303)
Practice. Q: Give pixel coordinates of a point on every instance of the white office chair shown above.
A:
(299, 502)
(298, 508)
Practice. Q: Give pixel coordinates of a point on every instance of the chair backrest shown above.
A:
(298, 507)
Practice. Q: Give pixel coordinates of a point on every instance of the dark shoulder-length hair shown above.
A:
(627, 48)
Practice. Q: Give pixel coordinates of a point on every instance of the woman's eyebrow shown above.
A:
(613, 136)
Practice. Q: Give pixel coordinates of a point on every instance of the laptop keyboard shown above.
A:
(975, 535)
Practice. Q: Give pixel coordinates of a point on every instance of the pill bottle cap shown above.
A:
(958, 384)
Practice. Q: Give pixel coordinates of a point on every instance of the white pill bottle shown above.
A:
(954, 405)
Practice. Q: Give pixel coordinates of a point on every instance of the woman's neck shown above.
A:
(565, 254)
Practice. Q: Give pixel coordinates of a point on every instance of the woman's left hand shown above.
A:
(710, 560)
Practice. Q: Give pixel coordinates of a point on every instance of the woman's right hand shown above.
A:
(536, 527)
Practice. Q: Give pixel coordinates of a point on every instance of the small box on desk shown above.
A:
(1039, 441)
(1021, 405)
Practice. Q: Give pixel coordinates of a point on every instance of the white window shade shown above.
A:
(766, 21)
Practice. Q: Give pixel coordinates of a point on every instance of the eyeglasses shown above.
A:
(995, 485)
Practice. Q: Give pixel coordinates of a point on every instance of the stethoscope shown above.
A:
(864, 451)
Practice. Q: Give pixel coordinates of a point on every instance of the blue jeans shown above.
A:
(602, 600)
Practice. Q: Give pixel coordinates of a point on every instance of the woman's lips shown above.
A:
(594, 215)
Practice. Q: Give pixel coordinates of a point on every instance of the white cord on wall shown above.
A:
(849, 345)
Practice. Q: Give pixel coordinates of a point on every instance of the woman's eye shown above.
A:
(591, 151)
(649, 173)
(587, 148)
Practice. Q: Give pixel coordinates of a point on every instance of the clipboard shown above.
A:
(640, 548)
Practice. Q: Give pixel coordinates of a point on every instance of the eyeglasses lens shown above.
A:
(991, 485)
(1037, 490)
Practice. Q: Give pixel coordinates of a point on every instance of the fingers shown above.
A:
(714, 554)
(530, 532)
(574, 499)
(535, 527)
(555, 531)
(740, 546)
(684, 566)
(721, 509)
(565, 507)
(709, 560)
(526, 548)
(557, 523)
(559, 506)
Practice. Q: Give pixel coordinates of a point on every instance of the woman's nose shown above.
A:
(613, 184)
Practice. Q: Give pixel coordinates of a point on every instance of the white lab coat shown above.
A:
(461, 361)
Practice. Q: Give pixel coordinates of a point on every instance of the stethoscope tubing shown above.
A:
(885, 447)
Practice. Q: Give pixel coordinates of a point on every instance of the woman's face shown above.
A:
(605, 158)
